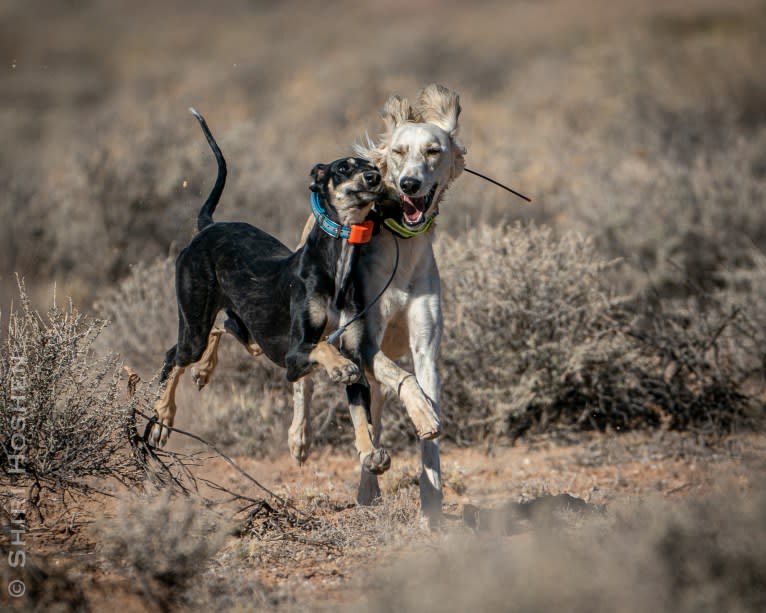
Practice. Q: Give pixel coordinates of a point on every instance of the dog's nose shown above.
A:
(372, 178)
(409, 185)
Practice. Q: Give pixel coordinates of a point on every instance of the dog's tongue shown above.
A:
(412, 208)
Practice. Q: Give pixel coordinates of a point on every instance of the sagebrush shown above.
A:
(162, 542)
(535, 338)
(63, 418)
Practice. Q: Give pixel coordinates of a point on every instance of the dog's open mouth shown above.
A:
(414, 209)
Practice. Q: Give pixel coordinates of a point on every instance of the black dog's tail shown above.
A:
(205, 217)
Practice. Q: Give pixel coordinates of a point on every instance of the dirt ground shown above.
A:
(335, 555)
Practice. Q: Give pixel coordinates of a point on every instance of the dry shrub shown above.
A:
(745, 291)
(59, 405)
(142, 313)
(535, 338)
(700, 556)
(161, 542)
(682, 223)
(655, 146)
(530, 330)
(50, 586)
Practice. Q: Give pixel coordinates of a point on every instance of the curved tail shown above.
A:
(205, 217)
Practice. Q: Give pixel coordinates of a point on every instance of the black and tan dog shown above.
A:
(277, 301)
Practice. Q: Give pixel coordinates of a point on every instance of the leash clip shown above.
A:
(333, 338)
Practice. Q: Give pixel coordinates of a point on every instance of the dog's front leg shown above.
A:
(299, 434)
(369, 490)
(418, 405)
(375, 461)
(366, 420)
(165, 407)
(307, 350)
(425, 326)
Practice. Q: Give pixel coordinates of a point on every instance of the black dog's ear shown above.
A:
(317, 174)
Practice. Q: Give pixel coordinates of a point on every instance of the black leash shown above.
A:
(505, 187)
(337, 334)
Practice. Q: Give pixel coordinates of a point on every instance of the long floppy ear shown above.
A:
(439, 106)
(458, 160)
(317, 174)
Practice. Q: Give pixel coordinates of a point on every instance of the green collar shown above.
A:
(404, 231)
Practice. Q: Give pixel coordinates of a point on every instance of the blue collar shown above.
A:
(357, 233)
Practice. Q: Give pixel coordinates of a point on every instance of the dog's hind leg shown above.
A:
(299, 434)
(237, 329)
(369, 490)
(196, 314)
(165, 406)
(203, 369)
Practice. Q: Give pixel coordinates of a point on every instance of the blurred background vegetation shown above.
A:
(639, 130)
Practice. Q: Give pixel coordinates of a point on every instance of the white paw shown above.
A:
(421, 410)
(299, 442)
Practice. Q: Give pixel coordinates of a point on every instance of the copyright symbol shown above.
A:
(16, 588)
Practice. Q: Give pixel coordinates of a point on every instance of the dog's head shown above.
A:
(419, 155)
(349, 186)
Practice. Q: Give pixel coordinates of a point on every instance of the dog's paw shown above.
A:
(156, 433)
(345, 372)
(377, 462)
(421, 410)
(299, 442)
(200, 377)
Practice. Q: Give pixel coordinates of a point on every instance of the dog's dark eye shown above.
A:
(342, 168)
(434, 150)
(398, 151)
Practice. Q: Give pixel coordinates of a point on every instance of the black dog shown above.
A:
(275, 299)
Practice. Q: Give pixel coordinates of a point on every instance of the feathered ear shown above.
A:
(396, 111)
(458, 161)
(439, 106)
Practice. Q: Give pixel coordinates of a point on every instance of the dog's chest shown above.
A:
(415, 265)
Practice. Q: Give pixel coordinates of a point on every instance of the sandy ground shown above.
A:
(332, 557)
